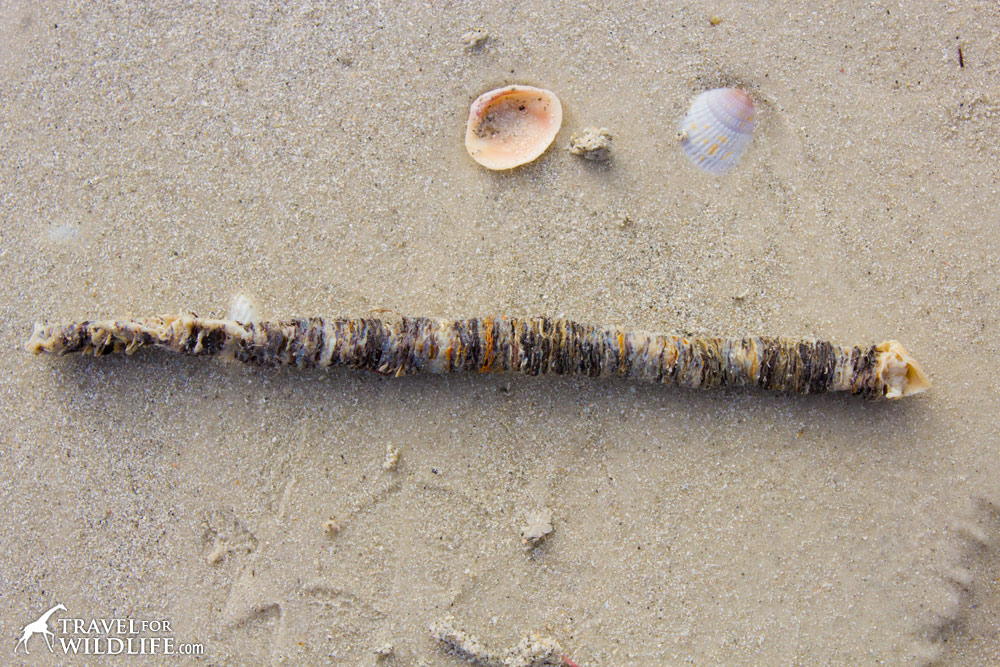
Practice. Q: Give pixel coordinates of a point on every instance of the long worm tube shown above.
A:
(531, 346)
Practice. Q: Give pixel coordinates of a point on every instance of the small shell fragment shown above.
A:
(243, 308)
(474, 39)
(717, 129)
(391, 459)
(538, 528)
(512, 126)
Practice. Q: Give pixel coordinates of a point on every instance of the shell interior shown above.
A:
(512, 126)
(717, 129)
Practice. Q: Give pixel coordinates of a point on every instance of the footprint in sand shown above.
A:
(970, 633)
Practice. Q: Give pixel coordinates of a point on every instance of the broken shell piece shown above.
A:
(592, 143)
(717, 129)
(391, 459)
(473, 39)
(512, 126)
(243, 308)
(539, 527)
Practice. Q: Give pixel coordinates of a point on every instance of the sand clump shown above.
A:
(591, 143)
(531, 651)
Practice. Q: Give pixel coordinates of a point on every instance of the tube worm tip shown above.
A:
(899, 372)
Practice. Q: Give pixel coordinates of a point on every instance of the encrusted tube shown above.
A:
(531, 346)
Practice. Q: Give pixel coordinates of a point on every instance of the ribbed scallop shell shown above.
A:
(511, 126)
(717, 129)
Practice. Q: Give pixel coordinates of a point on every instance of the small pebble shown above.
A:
(331, 526)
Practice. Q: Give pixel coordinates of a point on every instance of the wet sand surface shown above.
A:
(166, 158)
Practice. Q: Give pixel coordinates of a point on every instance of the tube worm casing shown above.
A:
(530, 346)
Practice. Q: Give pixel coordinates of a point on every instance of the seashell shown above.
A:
(717, 129)
(512, 126)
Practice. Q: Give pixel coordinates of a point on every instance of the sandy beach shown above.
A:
(167, 157)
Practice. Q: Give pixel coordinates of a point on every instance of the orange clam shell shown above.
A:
(511, 126)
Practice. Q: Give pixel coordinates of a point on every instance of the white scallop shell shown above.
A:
(512, 126)
(717, 129)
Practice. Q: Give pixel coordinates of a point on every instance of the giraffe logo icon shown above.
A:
(39, 627)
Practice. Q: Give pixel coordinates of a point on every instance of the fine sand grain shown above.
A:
(166, 156)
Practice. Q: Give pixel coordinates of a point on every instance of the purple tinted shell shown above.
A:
(717, 129)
